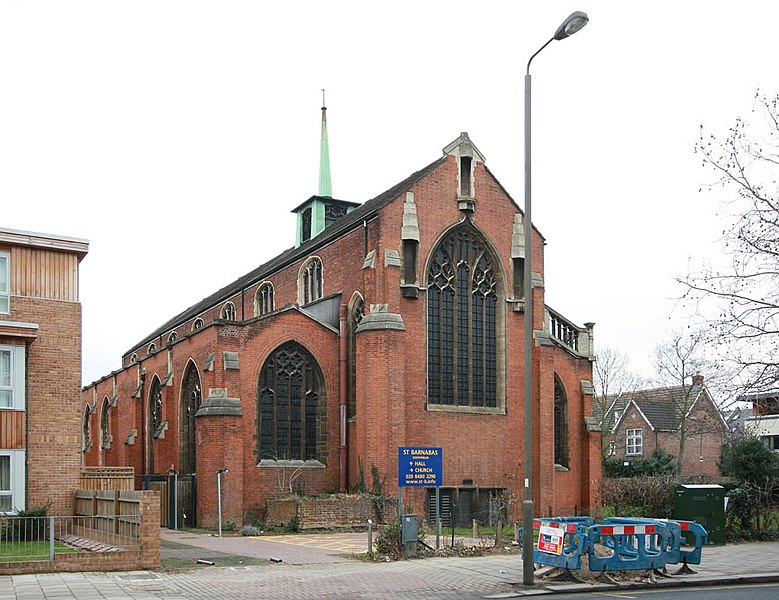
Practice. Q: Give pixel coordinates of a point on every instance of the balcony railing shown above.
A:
(579, 340)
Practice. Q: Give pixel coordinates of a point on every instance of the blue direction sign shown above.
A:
(419, 467)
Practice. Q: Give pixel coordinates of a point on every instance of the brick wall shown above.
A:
(331, 512)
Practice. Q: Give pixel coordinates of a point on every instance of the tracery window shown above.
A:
(333, 212)
(310, 285)
(462, 311)
(153, 422)
(289, 398)
(561, 453)
(173, 337)
(228, 311)
(265, 301)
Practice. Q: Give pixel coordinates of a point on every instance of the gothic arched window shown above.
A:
(228, 312)
(153, 421)
(290, 406)
(462, 323)
(354, 316)
(561, 456)
(105, 433)
(264, 301)
(310, 285)
(191, 397)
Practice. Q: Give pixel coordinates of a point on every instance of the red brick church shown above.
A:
(395, 322)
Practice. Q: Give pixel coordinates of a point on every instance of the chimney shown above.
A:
(697, 379)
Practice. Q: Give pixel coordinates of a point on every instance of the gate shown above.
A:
(178, 494)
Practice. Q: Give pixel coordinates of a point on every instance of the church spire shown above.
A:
(325, 183)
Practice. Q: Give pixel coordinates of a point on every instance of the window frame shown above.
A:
(634, 438)
(5, 282)
(17, 368)
(17, 464)
(228, 312)
(311, 281)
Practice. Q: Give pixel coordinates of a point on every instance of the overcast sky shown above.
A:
(177, 136)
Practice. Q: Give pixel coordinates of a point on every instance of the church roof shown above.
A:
(337, 229)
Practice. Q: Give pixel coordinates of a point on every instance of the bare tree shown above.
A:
(679, 361)
(746, 291)
(612, 378)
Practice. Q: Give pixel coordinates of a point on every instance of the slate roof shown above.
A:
(660, 406)
(365, 211)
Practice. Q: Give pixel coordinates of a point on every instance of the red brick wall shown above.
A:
(53, 400)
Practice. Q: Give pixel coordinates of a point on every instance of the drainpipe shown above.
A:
(342, 392)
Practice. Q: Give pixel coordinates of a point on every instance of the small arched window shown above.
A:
(105, 434)
(133, 358)
(86, 434)
(265, 300)
(228, 312)
(173, 337)
(310, 281)
(151, 349)
(197, 324)
(561, 453)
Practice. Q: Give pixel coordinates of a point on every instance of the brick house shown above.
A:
(40, 370)
(637, 423)
(395, 322)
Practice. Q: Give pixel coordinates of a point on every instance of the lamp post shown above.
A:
(571, 25)
(219, 496)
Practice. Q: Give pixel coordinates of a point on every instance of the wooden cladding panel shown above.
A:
(39, 273)
(12, 429)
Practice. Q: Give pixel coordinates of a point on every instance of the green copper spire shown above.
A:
(325, 183)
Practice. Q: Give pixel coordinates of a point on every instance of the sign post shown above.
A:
(420, 467)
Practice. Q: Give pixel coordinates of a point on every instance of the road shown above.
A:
(741, 592)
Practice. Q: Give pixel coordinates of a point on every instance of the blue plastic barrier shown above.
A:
(635, 544)
(574, 542)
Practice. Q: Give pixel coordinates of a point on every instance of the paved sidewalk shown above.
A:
(316, 571)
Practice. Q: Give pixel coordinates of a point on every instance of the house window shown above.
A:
(12, 377)
(462, 316)
(5, 283)
(228, 311)
(11, 481)
(197, 324)
(290, 406)
(635, 441)
(561, 455)
(264, 301)
(310, 286)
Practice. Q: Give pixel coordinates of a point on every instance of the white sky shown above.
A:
(177, 136)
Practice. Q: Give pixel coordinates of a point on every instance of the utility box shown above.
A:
(704, 504)
(409, 534)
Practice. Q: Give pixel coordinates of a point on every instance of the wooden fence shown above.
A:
(114, 512)
(107, 478)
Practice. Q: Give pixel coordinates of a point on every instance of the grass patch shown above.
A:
(22, 551)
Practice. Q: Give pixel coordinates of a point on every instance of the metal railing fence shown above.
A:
(41, 538)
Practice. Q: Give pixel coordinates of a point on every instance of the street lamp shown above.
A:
(219, 473)
(571, 25)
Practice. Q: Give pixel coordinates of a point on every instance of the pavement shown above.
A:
(325, 566)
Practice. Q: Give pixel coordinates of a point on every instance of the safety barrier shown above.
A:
(572, 542)
(630, 543)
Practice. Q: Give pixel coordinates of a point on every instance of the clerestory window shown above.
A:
(310, 284)
(265, 300)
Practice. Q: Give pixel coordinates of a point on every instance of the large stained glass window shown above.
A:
(462, 308)
(290, 392)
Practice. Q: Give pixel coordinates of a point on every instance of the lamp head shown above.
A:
(222, 471)
(576, 21)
